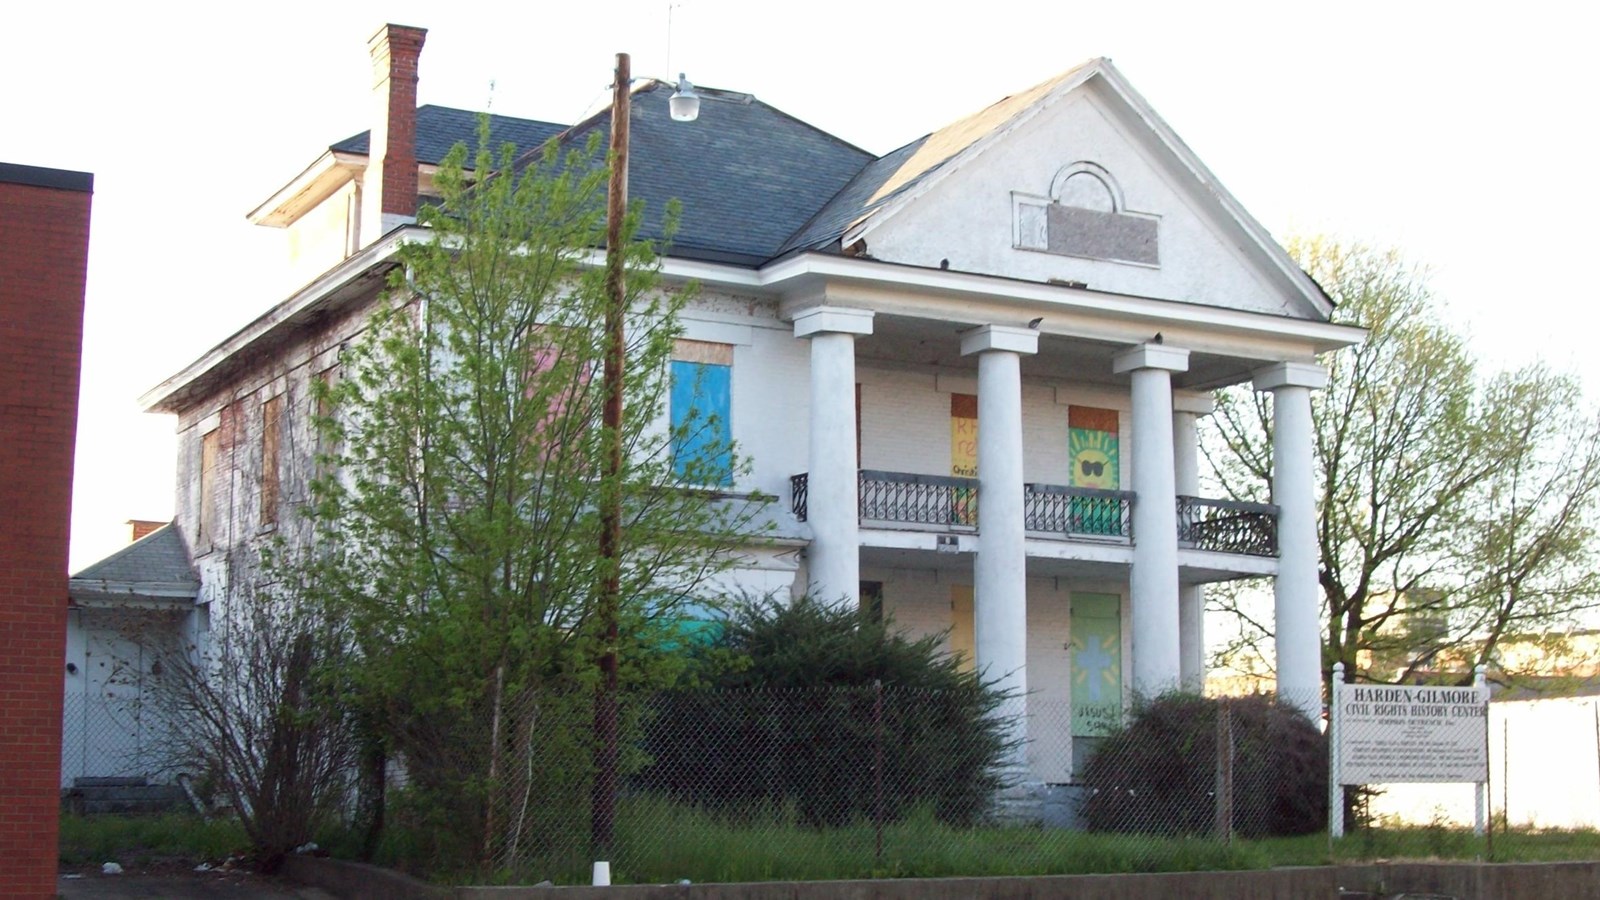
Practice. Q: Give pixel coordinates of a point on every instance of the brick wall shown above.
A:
(44, 242)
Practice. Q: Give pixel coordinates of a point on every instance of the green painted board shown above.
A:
(1096, 664)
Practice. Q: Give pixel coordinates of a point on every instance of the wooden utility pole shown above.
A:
(603, 801)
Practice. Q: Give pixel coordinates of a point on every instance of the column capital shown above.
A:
(832, 319)
(1290, 374)
(1193, 403)
(1000, 337)
(1151, 356)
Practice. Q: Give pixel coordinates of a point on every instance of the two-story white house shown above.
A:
(971, 369)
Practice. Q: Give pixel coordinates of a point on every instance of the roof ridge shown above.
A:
(485, 112)
(825, 133)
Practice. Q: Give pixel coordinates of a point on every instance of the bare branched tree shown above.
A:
(257, 706)
(1453, 512)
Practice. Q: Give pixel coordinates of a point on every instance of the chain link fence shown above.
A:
(839, 782)
(880, 781)
(114, 736)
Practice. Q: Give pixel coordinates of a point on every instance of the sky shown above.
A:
(1460, 133)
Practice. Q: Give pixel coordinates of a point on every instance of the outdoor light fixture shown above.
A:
(684, 103)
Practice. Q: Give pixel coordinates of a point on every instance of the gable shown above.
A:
(1084, 191)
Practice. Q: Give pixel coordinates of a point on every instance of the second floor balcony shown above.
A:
(1071, 513)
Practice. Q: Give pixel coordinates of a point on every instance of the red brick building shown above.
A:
(44, 245)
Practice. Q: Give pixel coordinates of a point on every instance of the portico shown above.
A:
(1011, 525)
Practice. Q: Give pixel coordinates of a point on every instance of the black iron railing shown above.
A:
(797, 495)
(903, 497)
(1228, 526)
(919, 499)
(1059, 509)
(1223, 526)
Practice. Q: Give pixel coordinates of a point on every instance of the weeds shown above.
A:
(140, 840)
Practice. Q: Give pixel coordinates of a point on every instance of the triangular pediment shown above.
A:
(1078, 181)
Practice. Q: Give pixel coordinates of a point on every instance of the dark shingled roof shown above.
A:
(858, 199)
(155, 566)
(755, 183)
(440, 127)
(748, 175)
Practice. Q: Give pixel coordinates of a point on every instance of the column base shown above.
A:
(1021, 803)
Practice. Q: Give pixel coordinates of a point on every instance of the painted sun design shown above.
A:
(1094, 458)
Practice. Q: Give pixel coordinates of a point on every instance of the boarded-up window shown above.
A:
(872, 600)
(1096, 650)
(1092, 445)
(271, 434)
(963, 636)
(702, 400)
(565, 399)
(964, 454)
(328, 450)
(210, 475)
(964, 435)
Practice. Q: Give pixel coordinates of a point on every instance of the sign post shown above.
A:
(1335, 779)
(1481, 795)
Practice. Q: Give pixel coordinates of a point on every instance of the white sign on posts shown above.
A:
(1390, 733)
(1398, 733)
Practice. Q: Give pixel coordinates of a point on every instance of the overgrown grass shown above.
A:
(660, 841)
(1442, 842)
(140, 840)
(772, 846)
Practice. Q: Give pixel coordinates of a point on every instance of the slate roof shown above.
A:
(155, 567)
(755, 183)
(864, 194)
(440, 127)
(748, 175)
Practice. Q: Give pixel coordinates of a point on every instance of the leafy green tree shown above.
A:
(1453, 510)
(1529, 543)
(457, 514)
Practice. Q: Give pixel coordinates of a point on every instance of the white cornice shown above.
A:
(158, 398)
(95, 593)
(797, 273)
(318, 182)
(813, 275)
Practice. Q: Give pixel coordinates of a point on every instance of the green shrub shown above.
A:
(1159, 774)
(831, 714)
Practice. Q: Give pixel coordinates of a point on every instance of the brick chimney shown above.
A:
(142, 527)
(389, 187)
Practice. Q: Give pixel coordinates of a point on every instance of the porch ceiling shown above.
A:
(908, 341)
(1065, 561)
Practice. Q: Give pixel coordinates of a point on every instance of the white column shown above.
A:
(1187, 410)
(1000, 572)
(1297, 604)
(832, 497)
(1153, 582)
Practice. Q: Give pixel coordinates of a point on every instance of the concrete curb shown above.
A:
(1460, 881)
(355, 880)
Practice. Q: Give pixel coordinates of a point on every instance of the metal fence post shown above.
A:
(877, 769)
(1224, 783)
(1481, 794)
